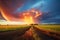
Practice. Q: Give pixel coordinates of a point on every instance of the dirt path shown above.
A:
(31, 33)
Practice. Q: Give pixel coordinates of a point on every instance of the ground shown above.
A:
(30, 32)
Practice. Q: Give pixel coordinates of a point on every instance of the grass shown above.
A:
(54, 27)
(12, 27)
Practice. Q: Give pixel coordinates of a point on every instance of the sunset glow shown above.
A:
(28, 16)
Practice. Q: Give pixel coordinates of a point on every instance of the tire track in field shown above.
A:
(47, 35)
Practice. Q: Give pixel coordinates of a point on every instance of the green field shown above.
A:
(54, 27)
(12, 27)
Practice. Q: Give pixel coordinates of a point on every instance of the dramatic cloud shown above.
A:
(50, 8)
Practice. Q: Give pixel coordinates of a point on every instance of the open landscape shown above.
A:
(29, 19)
(53, 27)
(12, 27)
(30, 32)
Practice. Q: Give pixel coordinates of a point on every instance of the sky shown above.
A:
(50, 9)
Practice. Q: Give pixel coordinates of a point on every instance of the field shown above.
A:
(53, 27)
(30, 32)
(12, 27)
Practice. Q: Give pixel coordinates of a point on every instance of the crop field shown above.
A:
(12, 27)
(54, 27)
(30, 32)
